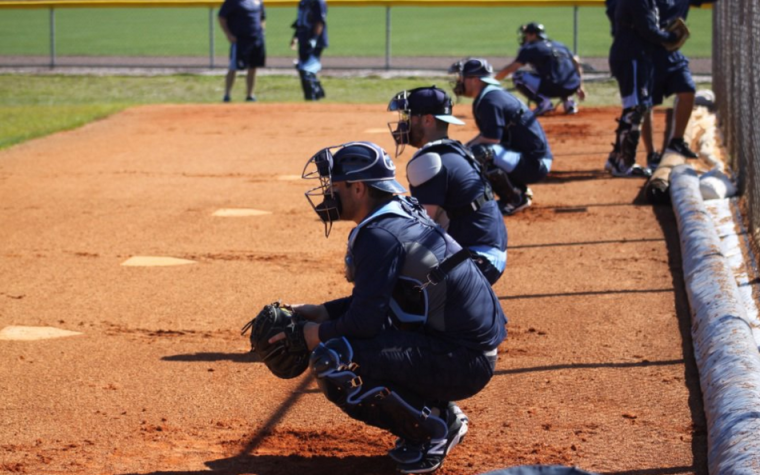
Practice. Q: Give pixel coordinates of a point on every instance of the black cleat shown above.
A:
(680, 147)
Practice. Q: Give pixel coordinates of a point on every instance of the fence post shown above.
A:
(211, 37)
(388, 38)
(52, 37)
(575, 30)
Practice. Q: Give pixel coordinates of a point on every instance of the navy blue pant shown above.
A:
(420, 367)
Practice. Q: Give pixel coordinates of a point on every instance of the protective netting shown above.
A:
(736, 83)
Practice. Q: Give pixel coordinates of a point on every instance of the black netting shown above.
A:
(736, 83)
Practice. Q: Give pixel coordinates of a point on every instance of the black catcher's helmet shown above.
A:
(532, 27)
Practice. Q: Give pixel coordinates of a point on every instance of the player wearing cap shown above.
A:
(511, 139)
(556, 71)
(447, 180)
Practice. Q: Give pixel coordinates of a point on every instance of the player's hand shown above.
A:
(231, 38)
(581, 93)
(310, 333)
(312, 313)
(293, 43)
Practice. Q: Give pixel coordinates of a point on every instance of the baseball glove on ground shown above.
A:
(678, 26)
(286, 358)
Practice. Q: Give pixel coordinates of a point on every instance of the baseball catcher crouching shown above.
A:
(286, 358)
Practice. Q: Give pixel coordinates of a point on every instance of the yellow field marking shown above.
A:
(153, 261)
(20, 333)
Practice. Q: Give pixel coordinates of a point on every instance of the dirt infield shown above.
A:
(597, 370)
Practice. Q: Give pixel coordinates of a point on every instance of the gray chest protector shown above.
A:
(419, 296)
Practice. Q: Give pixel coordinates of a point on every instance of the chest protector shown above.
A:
(448, 145)
(419, 295)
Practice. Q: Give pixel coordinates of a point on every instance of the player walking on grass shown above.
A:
(556, 71)
(422, 325)
(447, 180)
(511, 139)
(243, 22)
(310, 39)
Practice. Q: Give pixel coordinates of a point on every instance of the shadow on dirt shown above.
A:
(290, 465)
(616, 242)
(638, 364)
(249, 357)
(586, 294)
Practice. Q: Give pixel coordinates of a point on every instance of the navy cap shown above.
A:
(475, 67)
(425, 100)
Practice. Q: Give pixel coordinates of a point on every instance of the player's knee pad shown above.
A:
(334, 369)
(629, 133)
(310, 85)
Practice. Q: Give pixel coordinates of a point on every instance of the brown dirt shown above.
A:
(597, 370)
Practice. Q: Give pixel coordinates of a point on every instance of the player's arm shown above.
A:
(508, 69)
(579, 69)
(646, 23)
(226, 29)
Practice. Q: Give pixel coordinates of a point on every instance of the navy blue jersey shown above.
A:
(552, 61)
(244, 17)
(637, 30)
(390, 253)
(503, 117)
(440, 174)
(311, 12)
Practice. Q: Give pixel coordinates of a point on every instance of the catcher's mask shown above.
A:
(350, 162)
(420, 101)
(533, 28)
(470, 67)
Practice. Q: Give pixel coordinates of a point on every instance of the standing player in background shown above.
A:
(446, 180)
(636, 33)
(422, 325)
(671, 76)
(310, 38)
(243, 22)
(511, 143)
(556, 71)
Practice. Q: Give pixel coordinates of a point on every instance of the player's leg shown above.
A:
(402, 382)
(634, 81)
(229, 79)
(529, 85)
(257, 59)
(682, 109)
(681, 83)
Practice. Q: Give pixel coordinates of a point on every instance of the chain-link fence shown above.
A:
(736, 83)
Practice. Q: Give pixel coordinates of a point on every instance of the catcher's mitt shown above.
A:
(286, 358)
(678, 26)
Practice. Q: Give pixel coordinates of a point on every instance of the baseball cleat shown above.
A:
(250, 98)
(226, 98)
(653, 160)
(570, 107)
(544, 107)
(405, 452)
(617, 168)
(437, 449)
(679, 146)
(524, 201)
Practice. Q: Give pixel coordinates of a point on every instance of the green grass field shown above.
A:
(33, 106)
(354, 31)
